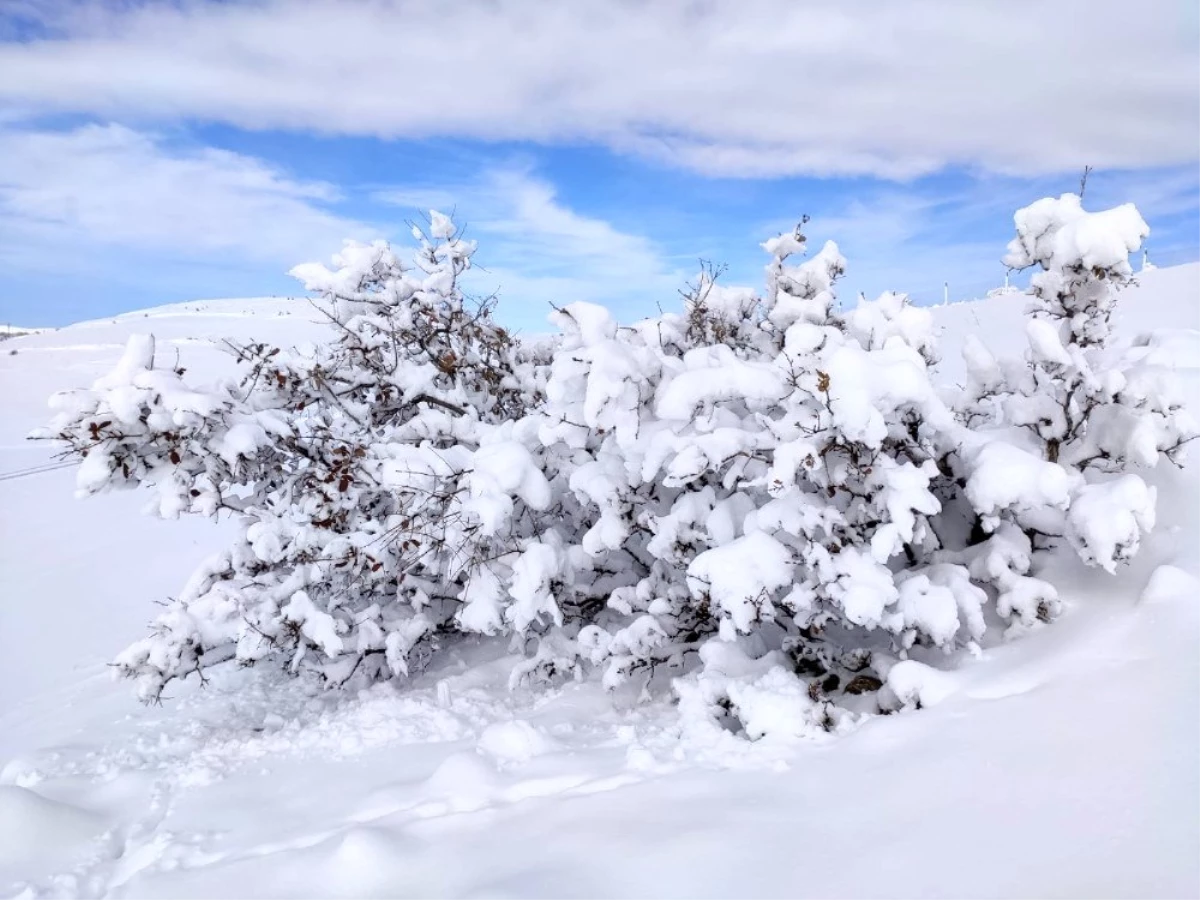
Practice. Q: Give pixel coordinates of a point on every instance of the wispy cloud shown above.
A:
(535, 250)
(134, 209)
(921, 237)
(139, 218)
(110, 186)
(104, 217)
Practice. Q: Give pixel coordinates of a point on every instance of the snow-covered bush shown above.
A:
(1090, 411)
(761, 471)
(372, 474)
(762, 495)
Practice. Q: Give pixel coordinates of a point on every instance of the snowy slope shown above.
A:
(1065, 763)
(1165, 301)
(9, 331)
(84, 537)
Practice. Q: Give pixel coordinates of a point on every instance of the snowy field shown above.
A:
(1063, 764)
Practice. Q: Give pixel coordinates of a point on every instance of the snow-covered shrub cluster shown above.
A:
(760, 494)
(370, 473)
(1086, 408)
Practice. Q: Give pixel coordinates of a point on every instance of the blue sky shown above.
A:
(158, 152)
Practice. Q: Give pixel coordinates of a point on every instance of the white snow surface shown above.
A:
(1065, 762)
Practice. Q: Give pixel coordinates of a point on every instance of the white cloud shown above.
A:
(911, 240)
(111, 187)
(136, 209)
(537, 251)
(534, 250)
(742, 87)
(918, 237)
(1158, 195)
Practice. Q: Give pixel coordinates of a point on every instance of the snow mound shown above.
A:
(37, 830)
(464, 781)
(1169, 583)
(514, 742)
(916, 684)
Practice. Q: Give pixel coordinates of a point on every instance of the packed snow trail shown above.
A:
(1062, 763)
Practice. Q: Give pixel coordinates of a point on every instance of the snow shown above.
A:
(1059, 232)
(319, 627)
(1169, 582)
(38, 830)
(737, 574)
(1009, 477)
(1044, 341)
(1060, 763)
(918, 684)
(503, 469)
(514, 742)
(1108, 519)
(7, 331)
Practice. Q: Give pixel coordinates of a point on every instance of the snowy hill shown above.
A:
(1161, 305)
(1064, 763)
(12, 331)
